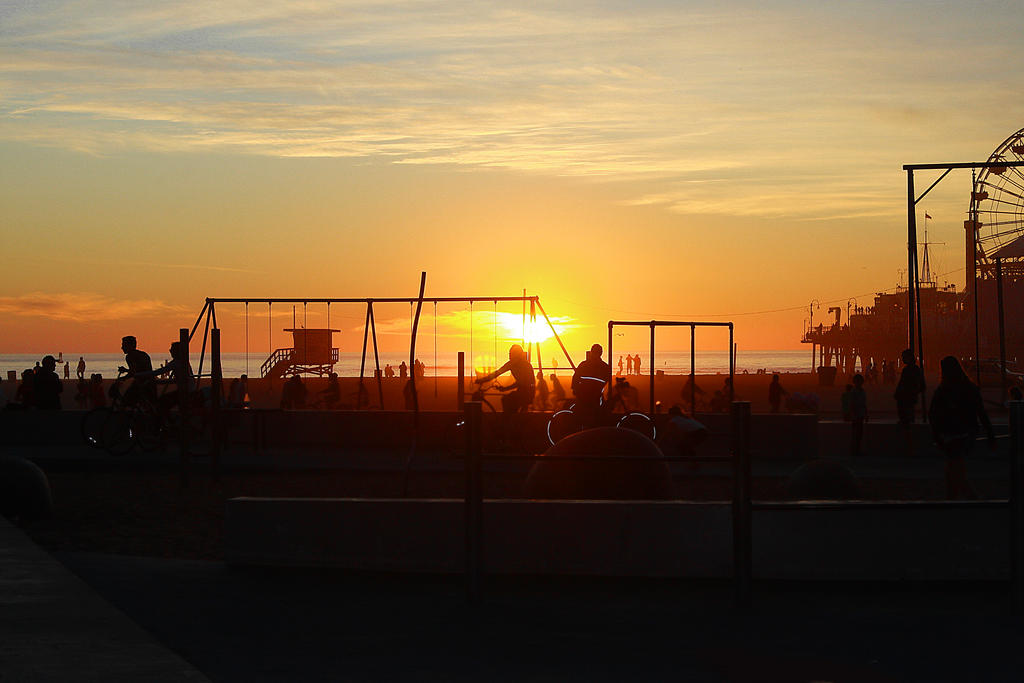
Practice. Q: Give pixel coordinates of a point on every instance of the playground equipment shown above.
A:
(312, 353)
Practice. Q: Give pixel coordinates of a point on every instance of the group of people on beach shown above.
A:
(632, 366)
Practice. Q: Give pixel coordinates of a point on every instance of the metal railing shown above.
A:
(742, 503)
(278, 356)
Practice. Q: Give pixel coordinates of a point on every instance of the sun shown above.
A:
(535, 332)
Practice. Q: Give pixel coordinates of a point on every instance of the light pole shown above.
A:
(854, 300)
(810, 328)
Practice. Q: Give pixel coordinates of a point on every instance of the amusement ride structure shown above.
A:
(981, 323)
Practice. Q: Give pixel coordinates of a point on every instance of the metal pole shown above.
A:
(911, 257)
(412, 383)
(742, 529)
(650, 361)
(376, 359)
(611, 357)
(555, 332)
(460, 393)
(362, 361)
(1002, 326)
(183, 400)
(217, 391)
(1017, 506)
(474, 502)
(693, 371)
(732, 369)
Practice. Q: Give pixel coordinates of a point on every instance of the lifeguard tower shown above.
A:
(312, 353)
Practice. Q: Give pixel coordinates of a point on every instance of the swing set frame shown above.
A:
(209, 313)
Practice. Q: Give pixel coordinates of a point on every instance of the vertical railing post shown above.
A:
(460, 390)
(1017, 506)
(474, 502)
(741, 506)
(183, 404)
(651, 362)
(216, 394)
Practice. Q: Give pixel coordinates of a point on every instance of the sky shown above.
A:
(673, 160)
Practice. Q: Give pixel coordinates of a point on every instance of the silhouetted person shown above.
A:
(542, 392)
(557, 392)
(620, 365)
(624, 396)
(910, 386)
(67, 370)
(636, 364)
(81, 367)
(293, 394)
(137, 361)
(388, 370)
(685, 392)
(522, 371)
(420, 369)
(239, 390)
(681, 434)
(844, 402)
(954, 414)
(97, 397)
(588, 383)
(858, 414)
(169, 373)
(775, 393)
(46, 386)
(330, 395)
(629, 365)
(82, 394)
(888, 373)
(403, 371)
(23, 394)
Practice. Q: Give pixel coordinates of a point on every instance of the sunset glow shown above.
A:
(728, 162)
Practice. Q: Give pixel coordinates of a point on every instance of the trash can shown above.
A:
(827, 375)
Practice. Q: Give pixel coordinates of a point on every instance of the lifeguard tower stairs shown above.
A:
(312, 353)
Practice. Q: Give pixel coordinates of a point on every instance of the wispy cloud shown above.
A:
(84, 306)
(660, 93)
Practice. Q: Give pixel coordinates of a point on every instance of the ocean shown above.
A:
(236, 364)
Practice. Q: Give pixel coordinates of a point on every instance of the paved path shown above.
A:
(336, 626)
(53, 627)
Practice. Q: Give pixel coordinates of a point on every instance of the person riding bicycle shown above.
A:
(522, 371)
(588, 383)
(174, 368)
(137, 361)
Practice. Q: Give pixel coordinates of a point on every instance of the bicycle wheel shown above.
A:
(146, 427)
(118, 435)
(562, 424)
(92, 426)
(638, 422)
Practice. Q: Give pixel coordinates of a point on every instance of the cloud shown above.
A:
(665, 94)
(84, 307)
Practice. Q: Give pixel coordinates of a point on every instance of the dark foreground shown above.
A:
(255, 626)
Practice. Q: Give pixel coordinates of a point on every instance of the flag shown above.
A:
(926, 215)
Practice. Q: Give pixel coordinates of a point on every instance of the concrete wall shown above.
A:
(629, 538)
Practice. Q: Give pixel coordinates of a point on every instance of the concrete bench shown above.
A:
(863, 541)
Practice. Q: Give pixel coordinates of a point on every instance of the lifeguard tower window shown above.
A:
(312, 352)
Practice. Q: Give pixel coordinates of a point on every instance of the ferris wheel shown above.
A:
(997, 203)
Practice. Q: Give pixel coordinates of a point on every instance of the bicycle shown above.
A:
(123, 425)
(566, 422)
(455, 434)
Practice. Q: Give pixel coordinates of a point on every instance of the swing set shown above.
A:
(313, 351)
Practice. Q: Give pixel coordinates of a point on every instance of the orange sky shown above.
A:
(731, 162)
